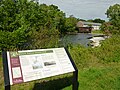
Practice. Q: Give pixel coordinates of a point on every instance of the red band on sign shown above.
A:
(16, 70)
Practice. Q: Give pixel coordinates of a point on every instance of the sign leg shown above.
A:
(75, 80)
(6, 71)
(7, 87)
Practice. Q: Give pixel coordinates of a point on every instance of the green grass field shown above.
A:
(99, 69)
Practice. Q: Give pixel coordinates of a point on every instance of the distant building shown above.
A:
(87, 26)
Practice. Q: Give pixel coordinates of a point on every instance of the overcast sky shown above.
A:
(83, 9)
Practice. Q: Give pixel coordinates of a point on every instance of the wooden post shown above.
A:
(6, 71)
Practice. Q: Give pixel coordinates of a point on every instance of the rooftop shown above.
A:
(81, 23)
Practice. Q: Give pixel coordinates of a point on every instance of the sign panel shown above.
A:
(31, 65)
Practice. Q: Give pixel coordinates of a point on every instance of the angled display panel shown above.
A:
(31, 65)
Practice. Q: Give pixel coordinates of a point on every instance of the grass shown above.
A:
(98, 69)
(100, 78)
(1, 75)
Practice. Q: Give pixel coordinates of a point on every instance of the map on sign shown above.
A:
(31, 65)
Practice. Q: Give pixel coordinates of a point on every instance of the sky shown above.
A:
(83, 9)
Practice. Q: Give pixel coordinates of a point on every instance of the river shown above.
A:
(80, 38)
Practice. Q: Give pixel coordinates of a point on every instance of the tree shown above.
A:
(23, 23)
(113, 13)
(13, 28)
(97, 20)
(70, 24)
(107, 27)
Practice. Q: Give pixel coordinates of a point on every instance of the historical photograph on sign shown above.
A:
(16, 72)
(49, 63)
(36, 63)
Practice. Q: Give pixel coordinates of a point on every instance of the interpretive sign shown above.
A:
(28, 65)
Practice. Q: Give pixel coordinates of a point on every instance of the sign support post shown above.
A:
(6, 71)
(75, 80)
(75, 83)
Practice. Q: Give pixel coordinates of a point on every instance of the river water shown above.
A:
(80, 38)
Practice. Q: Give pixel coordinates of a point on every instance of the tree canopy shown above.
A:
(113, 13)
(24, 24)
(70, 24)
(97, 20)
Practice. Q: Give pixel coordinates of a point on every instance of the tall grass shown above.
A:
(98, 67)
(108, 52)
(1, 75)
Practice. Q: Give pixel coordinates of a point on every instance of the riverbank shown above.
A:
(95, 41)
